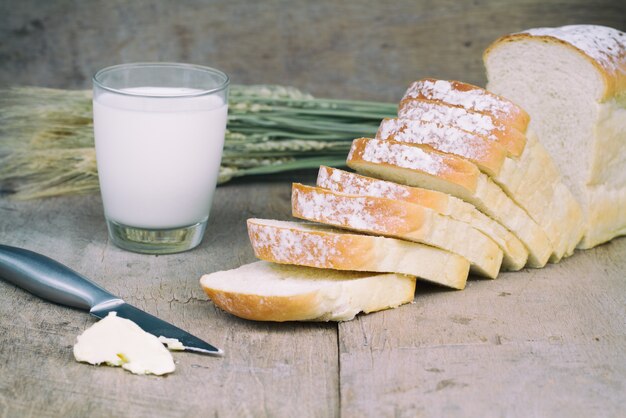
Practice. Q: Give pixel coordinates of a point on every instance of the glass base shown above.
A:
(156, 241)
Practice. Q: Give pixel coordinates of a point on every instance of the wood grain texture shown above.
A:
(269, 369)
(356, 49)
(548, 342)
(544, 343)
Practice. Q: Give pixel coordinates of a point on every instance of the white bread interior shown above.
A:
(265, 291)
(574, 93)
(534, 182)
(320, 246)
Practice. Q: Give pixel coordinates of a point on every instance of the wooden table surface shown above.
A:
(545, 343)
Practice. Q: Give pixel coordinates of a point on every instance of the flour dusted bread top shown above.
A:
(351, 183)
(470, 97)
(416, 157)
(304, 244)
(477, 123)
(398, 219)
(486, 154)
(314, 245)
(468, 184)
(527, 178)
(515, 255)
(604, 47)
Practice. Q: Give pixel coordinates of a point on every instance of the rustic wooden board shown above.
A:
(544, 343)
(269, 369)
(548, 342)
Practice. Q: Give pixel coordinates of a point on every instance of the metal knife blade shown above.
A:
(52, 281)
(157, 327)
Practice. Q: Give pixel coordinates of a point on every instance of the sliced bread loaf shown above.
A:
(398, 219)
(534, 182)
(421, 166)
(265, 291)
(531, 180)
(515, 254)
(575, 92)
(320, 246)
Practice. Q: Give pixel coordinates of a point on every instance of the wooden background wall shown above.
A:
(358, 49)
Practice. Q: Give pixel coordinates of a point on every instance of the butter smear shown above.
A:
(172, 343)
(116, 341)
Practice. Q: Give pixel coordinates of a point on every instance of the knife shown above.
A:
(52, 281)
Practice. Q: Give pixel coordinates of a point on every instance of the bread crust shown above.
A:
(470, 97)
(438, 164)
(256, 291)
(266, 308)
(398, 219)
(487, 155)
(515, 254)
(488, 197)
(321, 247)
(531, 180)
(511, 139)
(352, 183)
(595, 177)
(612, 69)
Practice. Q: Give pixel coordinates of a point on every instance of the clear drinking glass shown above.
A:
(159, 133)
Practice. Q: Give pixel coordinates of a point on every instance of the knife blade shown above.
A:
(55, 282)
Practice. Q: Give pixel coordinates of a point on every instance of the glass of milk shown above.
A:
(159, 133)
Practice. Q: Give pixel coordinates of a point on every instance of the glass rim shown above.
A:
(96, 79)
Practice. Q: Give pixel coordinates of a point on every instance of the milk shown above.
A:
(158, 157)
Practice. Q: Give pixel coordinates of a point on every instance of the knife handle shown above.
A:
(49, 279)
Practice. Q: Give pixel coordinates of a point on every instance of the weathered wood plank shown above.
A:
(545, 342)
(548, 342)
(269, 369)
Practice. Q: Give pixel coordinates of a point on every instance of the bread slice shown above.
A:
(319, 246)
(531, 180)
(470, 97)
(264, 291)
(488, 155)
(421, 166)
(398, 219)
(534, 182)
(515, 254)
(511, 139)
(575, 92)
